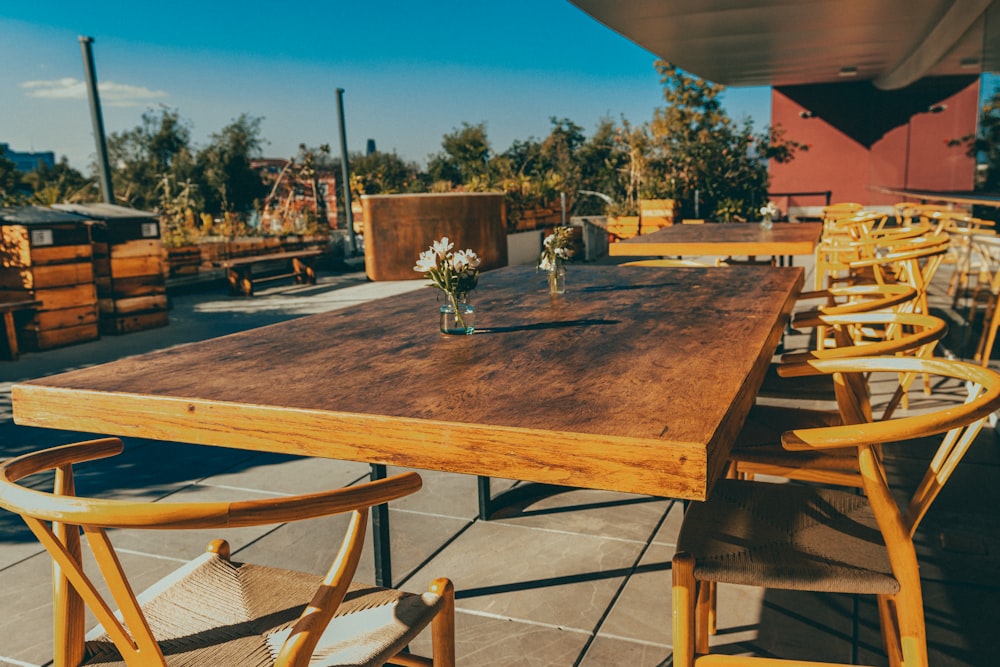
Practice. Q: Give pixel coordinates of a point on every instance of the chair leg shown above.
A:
(443, 625)
(889, 625)
(713, 603)
(684, 595)
(704, 615)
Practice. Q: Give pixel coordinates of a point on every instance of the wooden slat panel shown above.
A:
(140, 304)
(15, 250)
(50, 338)
(61, 254)
(62, 275)
(65, 317)
(144, 248)
(128, 267)
(55, 298)
(16, 279)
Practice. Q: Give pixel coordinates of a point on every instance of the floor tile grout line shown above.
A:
(525, 621)
(621, 588)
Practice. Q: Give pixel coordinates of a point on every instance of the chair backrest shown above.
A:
(960, 425)
(867, 335)
(56, 520)
(872, 334)
(858, 298)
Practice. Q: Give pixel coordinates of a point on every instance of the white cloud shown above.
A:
(112, 94)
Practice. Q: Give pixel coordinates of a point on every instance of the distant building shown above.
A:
(28, 161)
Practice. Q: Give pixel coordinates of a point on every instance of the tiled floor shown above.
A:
(578, 578)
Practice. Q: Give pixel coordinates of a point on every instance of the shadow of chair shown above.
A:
(213, 610)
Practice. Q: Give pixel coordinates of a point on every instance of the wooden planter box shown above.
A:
(399, 227)
(128, 267)
(46, 255)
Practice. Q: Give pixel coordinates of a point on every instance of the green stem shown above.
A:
(458, 313)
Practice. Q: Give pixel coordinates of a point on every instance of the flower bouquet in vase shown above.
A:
(768, 213)
(557, 249)
(456, 274)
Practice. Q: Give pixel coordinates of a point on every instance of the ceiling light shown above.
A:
(848, 71)
(969, 63)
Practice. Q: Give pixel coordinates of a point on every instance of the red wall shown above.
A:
(860, 138)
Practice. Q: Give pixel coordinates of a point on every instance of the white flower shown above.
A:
(441, 248)
(544, 264)
(426, 262)
(469, 258)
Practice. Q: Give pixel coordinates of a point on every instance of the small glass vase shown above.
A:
(460, 322)
(766, 223)
(557, 280)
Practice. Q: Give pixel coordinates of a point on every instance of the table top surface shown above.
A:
(636, 379)
(784, 238)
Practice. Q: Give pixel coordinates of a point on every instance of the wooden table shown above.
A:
(636, 380)
(7, 309)
(716, 239)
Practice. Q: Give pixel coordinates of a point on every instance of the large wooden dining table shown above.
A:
(636, 380)
(633, 380)
(719, 239)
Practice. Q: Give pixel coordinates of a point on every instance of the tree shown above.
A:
(59, 184)
(704, 160)
(159, 147)
(386, 173)
(465, 156)
(12, 188)
(224, 167)
(601, 160)
(984, 147)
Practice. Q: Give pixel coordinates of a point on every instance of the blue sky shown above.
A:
(411, 72)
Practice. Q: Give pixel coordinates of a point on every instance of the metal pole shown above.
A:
(103, 168)
(346, 173)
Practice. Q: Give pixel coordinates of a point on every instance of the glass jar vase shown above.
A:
(458, 318)
(557, 280)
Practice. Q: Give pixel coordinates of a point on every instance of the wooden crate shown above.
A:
(128, 267)
(655, 214)
(46, 255)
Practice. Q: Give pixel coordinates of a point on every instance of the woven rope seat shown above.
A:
(787, 536)
(251, 609)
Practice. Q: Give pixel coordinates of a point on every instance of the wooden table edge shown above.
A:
(474, 449)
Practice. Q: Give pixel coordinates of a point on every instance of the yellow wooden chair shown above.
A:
(810, 538)
(849, 299)
(758, 450)
(215, 611)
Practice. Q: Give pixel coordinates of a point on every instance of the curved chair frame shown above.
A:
(56, 519)
(905, 333)
(898, 591)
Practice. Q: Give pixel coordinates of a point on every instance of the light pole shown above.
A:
(345, 172)
(103, 168)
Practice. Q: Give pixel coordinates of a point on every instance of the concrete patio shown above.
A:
(579, 578)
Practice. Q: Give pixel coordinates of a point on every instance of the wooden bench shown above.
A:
(239, 270)
(8, 309)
